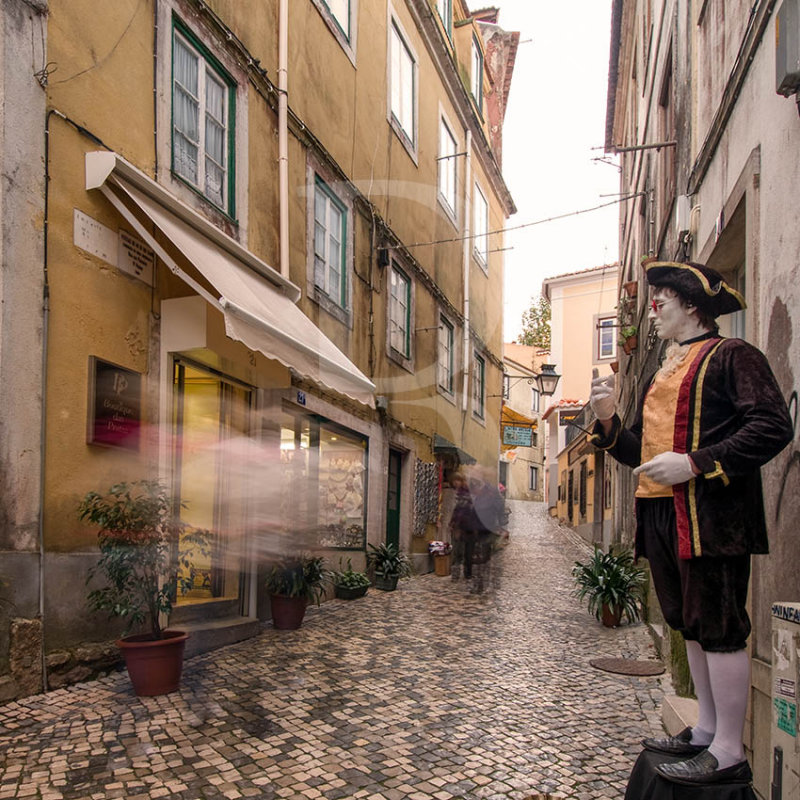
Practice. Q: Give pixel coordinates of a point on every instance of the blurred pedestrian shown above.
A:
(460, 519)
(488, 514)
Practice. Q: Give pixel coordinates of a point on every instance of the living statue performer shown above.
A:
(711, 416)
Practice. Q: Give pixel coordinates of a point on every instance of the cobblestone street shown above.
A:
(427, 693)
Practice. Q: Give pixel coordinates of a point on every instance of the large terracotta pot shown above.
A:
(154, 666)
(287, 612)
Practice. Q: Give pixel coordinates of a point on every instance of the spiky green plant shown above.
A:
(299, 576)
(610, 579)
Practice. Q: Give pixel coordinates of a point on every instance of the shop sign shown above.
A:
(565, 417)
(517, 435)
(115, 405)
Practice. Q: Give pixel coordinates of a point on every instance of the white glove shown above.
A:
(668, 468)
(601, 398)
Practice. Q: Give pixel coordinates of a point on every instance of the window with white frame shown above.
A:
(478, 385)
(400, 312)
(446, 355)
(330, 236)
(535, 399)
(481, 227)
(447, 166)
(402, 77)
(445, 9)
(533, 478)
(605, 339)
(340, 11)
(203, 100)
(477, 74)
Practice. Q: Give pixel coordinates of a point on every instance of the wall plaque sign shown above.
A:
(517, 435)
(115, 405)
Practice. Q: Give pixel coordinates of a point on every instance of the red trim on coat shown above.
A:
(684, 415)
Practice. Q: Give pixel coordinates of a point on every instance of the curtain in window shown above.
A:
(215, 139)
(398, 313)
(185, 111)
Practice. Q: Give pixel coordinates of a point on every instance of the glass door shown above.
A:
(212, 418)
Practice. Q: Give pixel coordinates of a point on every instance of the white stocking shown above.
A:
(729, 675)
(703, 732)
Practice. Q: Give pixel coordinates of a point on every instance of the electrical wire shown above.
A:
(516, 227)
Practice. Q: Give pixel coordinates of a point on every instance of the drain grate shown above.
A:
(628, 666)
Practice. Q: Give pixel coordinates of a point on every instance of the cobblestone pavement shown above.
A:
(426, 693)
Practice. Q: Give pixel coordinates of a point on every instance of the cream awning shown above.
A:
(257, 302)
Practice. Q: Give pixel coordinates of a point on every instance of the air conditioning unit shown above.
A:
(787, 48)
(785, 680)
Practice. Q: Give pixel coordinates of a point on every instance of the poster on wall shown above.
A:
(115, 405)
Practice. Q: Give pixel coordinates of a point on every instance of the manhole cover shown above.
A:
(628, 666)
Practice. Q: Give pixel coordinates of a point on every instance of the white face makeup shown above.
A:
(670, 318)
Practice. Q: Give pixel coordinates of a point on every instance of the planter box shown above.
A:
(349, 592)
(441, 565)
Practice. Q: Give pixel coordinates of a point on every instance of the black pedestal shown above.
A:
(646, 784)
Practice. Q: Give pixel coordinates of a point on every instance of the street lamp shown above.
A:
(547, 379)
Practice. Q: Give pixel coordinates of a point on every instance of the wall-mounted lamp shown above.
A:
(547, 379)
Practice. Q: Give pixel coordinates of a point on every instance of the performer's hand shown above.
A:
(601, 397)
(668, 468)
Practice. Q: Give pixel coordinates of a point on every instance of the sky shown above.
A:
(555, 117)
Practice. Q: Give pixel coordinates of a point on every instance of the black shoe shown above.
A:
(678, 745)
(703, 769)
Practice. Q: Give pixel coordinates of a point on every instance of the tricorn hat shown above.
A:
(698, 284)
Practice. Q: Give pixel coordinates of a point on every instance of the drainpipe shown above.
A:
(283, 133)
(466, 254)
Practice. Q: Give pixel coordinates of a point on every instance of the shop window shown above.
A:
(325, 474)
(203, 103)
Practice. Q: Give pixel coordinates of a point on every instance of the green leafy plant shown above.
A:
(387, 561)
(348, 578)
(139, 533)
(299, 576)
(626, 332)
(610, 579)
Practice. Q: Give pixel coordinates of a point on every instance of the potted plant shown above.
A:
(388, 565)
(631, 288)
(349, 584)
(612, 585)
(441, 557)
(628, 338)
(292, 584)
(139, 534)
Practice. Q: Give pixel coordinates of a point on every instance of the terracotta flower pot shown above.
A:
(611, 615)
(287, 612)
(154, 666)
(631, 288)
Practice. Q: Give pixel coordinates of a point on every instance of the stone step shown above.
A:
(210, 634)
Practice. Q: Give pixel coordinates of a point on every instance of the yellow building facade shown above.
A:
(271, 236)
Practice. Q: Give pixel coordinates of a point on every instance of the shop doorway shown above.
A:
(393, 498)
(211, 418)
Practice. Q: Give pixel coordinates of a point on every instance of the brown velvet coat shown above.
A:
(731, 419)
